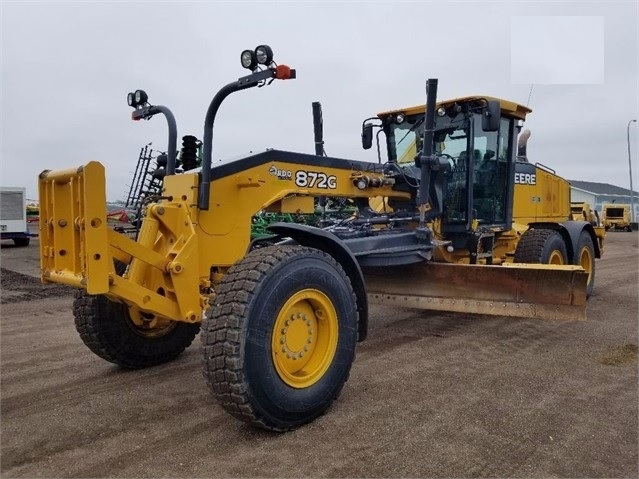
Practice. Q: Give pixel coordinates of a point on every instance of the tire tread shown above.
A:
(531, 244)
(222, 331)
(102, 327)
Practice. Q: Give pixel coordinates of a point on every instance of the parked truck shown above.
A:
(13, 215)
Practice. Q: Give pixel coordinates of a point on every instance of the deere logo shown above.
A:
(281, 174)
(525, 179)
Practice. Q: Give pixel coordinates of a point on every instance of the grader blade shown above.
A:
(516, 290)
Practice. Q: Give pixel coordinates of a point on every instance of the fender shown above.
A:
(329, 243)
(570, 231)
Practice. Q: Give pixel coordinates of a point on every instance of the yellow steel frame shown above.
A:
(179, 248)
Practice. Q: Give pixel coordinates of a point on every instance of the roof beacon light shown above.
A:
(264, 55)
(248, 59)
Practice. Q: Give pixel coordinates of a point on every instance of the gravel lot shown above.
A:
(430, 395)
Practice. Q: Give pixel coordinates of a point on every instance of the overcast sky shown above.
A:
(67, 67)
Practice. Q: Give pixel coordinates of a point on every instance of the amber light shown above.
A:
(283, 72)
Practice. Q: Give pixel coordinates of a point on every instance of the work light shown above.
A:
(140, 97)
(248, 59)
(264, 55)
(130, 99)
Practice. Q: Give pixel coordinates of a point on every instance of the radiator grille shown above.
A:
(12, 205)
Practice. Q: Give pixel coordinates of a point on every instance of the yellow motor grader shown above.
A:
(280, 317)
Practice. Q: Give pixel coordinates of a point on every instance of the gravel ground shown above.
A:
(430, 395)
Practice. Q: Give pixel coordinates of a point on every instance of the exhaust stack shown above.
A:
(522, 142)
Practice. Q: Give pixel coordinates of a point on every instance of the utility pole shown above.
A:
(632, 193)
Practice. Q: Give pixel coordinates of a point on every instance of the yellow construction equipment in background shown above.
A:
(459, 225)
(616, 217)
(581, 211)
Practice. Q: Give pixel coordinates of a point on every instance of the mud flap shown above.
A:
(516, 290)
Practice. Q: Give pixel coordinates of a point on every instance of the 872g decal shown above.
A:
(315, 179)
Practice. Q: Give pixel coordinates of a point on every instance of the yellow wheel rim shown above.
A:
(149, 326)
(304, 338)
(585, 261)
(556, 257)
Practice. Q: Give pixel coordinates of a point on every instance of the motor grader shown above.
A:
(280, 317)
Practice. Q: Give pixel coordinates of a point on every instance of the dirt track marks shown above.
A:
(17, 287)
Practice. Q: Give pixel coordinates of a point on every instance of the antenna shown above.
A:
(530, 93)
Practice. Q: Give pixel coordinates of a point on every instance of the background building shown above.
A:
(596, 194)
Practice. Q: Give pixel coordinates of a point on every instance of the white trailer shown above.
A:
(13, 215)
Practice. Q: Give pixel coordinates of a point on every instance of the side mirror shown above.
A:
(367, 136)
(491, 116)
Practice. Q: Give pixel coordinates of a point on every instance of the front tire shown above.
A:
(107, 329)
(281, 338)
(541, 246)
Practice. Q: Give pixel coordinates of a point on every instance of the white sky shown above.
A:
(67, 67)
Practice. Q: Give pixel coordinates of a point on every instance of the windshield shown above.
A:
(450, 140)
(406, 138)
(486, 168)
(614, 212)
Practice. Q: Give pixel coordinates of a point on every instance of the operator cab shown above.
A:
(478, 190)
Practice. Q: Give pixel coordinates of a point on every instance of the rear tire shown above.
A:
(585, 257)
(541, 246)
(280, 340)
(21, 241)
(107, 330)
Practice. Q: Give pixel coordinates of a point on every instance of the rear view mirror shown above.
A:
(367, 136)
(491, 116)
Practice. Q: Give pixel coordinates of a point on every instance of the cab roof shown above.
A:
(508, 107)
